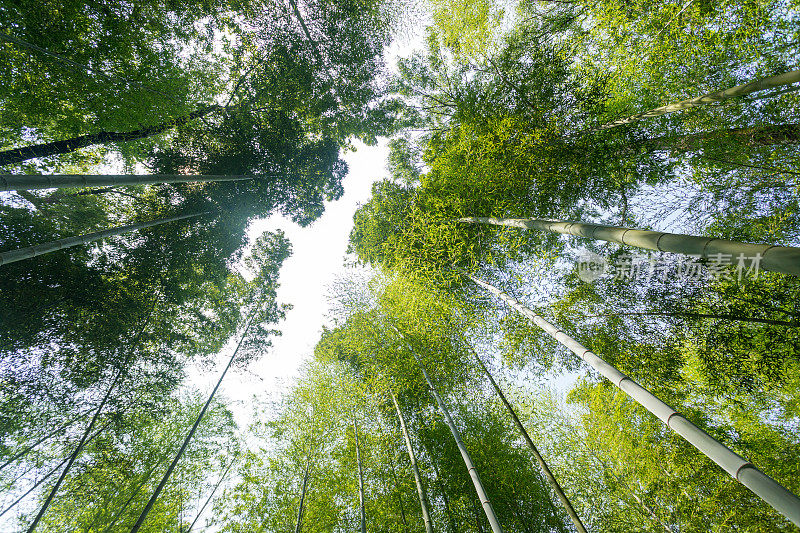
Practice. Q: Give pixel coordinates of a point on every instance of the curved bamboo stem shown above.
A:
(423, 496)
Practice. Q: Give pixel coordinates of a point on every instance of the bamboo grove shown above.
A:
(572, 305)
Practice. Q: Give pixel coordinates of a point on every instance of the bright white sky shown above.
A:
(318, 255)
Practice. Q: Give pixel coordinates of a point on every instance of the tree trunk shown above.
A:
(47, 476)
(423, 497)
(66, 146)
(783, 501)
(311, 41)
(717, 96)
(141, 484)
(399, 494)
(41, 249)
(192, 431)
(30, 447)
(26, 182)
(208, 500)
(448, 511)
(79, 447)
(769, 135)
(360, 480)
(473, 472)
(539, 459)
(785, 259)
(721, 316)
(299, 526)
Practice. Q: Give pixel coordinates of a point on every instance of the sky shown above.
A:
(318, 257)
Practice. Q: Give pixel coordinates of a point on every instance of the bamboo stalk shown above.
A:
(473, 472)
(28, 448)
(208, 500)
(784, 259)
(50, 473)
(299, 526)
(716, 96)
(192, 431)
(29, 182)
(551, 480)
(423, 496)
(763, 486)
(53, 246)
(360, 480)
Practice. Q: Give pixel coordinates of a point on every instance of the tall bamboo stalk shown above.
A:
(79, 447)
(118, 513)
(303, 25)
(208, 500)
(53, 246)
(400, 502)
(763, 486)
(473, 472)
(50, 473)
(22, 453)
(66, 146)
(299, 526)
(716, 96)
(27, 182)
(539, 459)
(360, 480)
(423, 496)
(192, 431)
(784, 259)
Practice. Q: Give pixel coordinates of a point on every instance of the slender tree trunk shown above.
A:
(118, 513)
(299, 526)
(360, 480)
(85, 438)
(722, 316)
(539, 459)
(192, 431)
(78, 448)
(717, 96)
(41, 249)
(311, 41)
(769, 135)
(22, 453)
(67, 146)
(473, 472)
(399, 494)
(423, 497)
(785, 259)
(208, 500)
(739, 468)
(27, 182)
(47, 476)
(451, 521)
